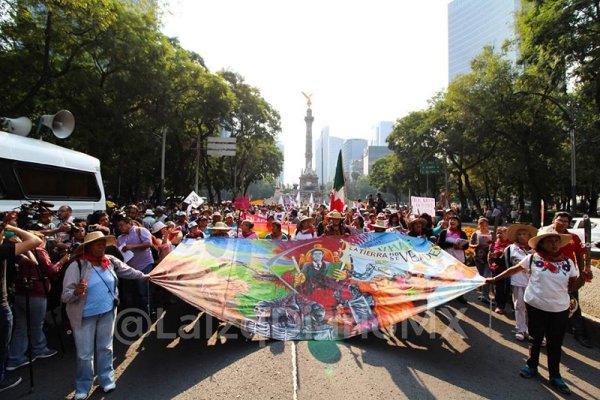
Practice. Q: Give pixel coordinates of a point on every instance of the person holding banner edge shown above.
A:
(552, 276)
(90, 291)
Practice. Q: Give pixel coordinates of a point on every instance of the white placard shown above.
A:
(194, 200)
(420, 205)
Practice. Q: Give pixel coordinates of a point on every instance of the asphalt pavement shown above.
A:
(449, 353)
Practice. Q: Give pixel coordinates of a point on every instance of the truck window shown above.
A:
(40, 181)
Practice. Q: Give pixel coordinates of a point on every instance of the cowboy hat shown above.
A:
(220, 226)
(94, 237)
(335, 215)
(512, 231)
(534, 241)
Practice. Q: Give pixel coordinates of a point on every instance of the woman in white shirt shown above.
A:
(551, 276)
(519, 235)
(305, 229)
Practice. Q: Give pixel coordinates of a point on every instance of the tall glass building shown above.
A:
(474, 24)
(352, 149)
(326, 152)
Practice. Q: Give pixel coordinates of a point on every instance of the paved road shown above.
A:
(427, 358)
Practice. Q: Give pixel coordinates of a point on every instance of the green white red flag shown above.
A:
(338, 198)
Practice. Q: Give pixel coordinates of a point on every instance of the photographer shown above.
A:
(99, 221)
(64, 227)
(74, 239)
(32, 280)
(8, 252)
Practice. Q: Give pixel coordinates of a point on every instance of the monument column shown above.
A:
(309, 181)
(309, 121)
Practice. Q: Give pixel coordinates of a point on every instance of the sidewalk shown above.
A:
(589, 299)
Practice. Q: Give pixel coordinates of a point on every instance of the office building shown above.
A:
(352, 149)
(326, 152)
(372, 154)
(474, 24)
(380, 133)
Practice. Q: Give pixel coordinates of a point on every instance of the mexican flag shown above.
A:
(338, 198)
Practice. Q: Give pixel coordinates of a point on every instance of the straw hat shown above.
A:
(564, 239)
(419, 220)
(220, 226)
(94, 237)
(380, 223)
(512, 231)
(335, 215)
(304, 218)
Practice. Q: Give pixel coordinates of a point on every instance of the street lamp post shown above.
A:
(571, 121)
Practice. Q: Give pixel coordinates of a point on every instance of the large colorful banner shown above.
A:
(320, 289)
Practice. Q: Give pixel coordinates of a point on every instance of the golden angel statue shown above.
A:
(308, 97)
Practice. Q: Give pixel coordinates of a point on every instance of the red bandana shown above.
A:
(557, 257)
(103, 261)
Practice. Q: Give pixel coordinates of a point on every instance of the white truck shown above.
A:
(31, 169)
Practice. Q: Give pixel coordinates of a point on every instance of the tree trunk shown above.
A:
(460, 189)
(472, 194)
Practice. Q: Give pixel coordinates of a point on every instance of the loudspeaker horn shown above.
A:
(62, 123)
(19, 126)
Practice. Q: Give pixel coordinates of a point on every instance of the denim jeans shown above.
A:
(136, 293)
(102, 328)
(6, 325)
(17, 353)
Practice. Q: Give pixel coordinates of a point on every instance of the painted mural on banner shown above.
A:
(320, 289)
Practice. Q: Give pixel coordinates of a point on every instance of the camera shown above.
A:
(92, 228)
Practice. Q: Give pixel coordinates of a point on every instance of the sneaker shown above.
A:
(528, 372)
(12, 367)
(559, 384)
(498, 310)
(544, 342)
(80, 396)
(520, 336)
(110, 387)
(9, 383)
(46, 353)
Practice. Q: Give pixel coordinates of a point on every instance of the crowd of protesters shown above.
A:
(82, 258)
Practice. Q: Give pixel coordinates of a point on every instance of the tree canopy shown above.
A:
(126, 83)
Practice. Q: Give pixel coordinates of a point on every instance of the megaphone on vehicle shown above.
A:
(19, 126)
(62, 123)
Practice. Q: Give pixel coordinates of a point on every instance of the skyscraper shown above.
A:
(474, 24)
(352, 149)
(380, 132)
(327, 148)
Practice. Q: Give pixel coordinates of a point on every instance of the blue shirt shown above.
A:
(99, 298)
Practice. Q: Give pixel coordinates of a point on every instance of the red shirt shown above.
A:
(573, 249)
